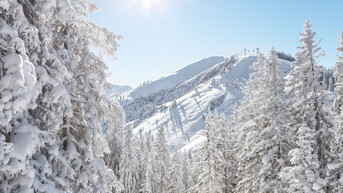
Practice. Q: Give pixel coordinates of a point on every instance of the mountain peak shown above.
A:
(176, 77)
(178, 101)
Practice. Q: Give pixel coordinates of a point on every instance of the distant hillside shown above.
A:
(118, 89)
(178, 101)
(171, 80)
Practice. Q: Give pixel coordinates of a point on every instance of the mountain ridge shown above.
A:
(174, 78)
(117, 89)
(179, 109)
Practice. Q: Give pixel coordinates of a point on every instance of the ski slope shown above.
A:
(179, 106)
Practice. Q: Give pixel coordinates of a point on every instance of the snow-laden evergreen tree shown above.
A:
(246, 112)
(176, 173)
(129, 164)
(82, 138)
(19, 139)
(226, 144)
(142, 159)
(244, 118)
(331, 87)
(336, 166)
(156, 178)
(114, 124)
(264, 152)
(324, 82)
(230, 155)
(309, 112)
(89, 102)
(148, 185)
(194, 173)
(211, 163)
(338, 74)
(23, 51)
(304, 176)
(62, 110)
(232, 149)
(162, 160)
(145, 145)
(186, 168)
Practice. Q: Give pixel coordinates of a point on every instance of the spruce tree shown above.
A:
(211, 163)
(144, 159)
(263, 154)
(309, 112)
(60, 92)
(176, 171)
(226, 145)
(129, 165)
(335, 166)
(24, 166)
(304, 175)
(157, 179)
(187, 168)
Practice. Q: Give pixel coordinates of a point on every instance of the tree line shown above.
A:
(284, 137)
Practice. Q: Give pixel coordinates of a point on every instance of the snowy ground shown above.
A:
(178, 101)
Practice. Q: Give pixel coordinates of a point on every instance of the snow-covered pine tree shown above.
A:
(268, 139)
(227, 145)
(162, 160)
(176, 173)
(309, 112)
(304, 176)
(338, 74)
(129, 165)
(89, 101)
(140, 151)
(19, 139)
(234, 116)
(246, 112)
(331, 86)
(83, 140)
(194, 173)
(142, 159)
(157, 179)
(145, 145)
(25, 48)
(232, 149)
(211, 163)
(324, 82)
(335, 167)
(54, 37)
(187, 166)
(54, 102)
(149, 183)
(114, 124)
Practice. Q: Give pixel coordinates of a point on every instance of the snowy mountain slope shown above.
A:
(175, 78)
(118, 89)
(179, 109)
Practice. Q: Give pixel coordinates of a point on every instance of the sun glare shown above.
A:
(149, 6)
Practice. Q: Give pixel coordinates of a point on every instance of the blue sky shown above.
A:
(162, 36)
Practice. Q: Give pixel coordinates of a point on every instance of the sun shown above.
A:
(149, 6)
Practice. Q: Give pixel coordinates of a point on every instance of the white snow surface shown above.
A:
(175, 78)
(118, 89)
(178, 101)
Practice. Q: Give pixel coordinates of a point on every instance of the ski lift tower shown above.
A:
(257, 51)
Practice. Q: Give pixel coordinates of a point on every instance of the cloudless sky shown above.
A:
(162, 36)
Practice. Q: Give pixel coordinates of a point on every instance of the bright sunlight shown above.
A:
(148, 7)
